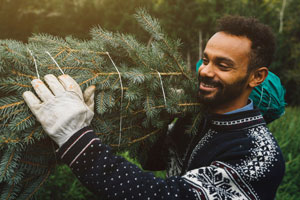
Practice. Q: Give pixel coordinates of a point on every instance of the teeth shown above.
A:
(209, 86)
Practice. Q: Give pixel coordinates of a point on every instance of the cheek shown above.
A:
(229, 78)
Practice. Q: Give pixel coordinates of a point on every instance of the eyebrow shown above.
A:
(221, 59)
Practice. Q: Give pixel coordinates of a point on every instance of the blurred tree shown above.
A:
(117, 15)
(13, 22)
(290, 51)
(19, 19)
(181, 19)
(184, 19)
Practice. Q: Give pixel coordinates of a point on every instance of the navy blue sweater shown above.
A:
(232, 157)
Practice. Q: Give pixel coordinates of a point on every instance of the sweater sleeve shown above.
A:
(112, 177)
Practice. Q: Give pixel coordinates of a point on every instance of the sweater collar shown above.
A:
(240, 120)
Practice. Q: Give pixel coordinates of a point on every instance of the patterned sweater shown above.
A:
(232, 157)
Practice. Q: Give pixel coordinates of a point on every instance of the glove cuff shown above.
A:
(73, 147)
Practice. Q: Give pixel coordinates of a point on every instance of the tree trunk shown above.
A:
(200, 45)
(281, 15)
(189, 60)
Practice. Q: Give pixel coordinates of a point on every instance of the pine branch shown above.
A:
(8, 164)
(153, 27)
(36, 186)
(157, 86)
(9, 102)
(138, 139)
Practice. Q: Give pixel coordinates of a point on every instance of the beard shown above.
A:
(225, 92)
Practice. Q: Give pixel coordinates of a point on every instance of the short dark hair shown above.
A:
(262, 38)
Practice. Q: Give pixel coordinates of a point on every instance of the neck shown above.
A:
(230, 106)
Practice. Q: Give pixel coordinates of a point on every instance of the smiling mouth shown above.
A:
(207, 87)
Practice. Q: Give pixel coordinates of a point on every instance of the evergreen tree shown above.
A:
(140, 89)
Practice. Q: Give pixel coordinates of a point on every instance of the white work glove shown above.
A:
(64, 110)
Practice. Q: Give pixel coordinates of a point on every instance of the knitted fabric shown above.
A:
(232, 157)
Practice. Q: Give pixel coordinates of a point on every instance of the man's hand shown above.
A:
(63, 110)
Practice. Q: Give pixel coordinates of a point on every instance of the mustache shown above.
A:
(209, 81)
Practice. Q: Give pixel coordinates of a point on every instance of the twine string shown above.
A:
(55, 63)
(162, 88)
(36, 68)
(122, 89)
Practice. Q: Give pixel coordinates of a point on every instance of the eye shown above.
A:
(223, 67)
(205, 61)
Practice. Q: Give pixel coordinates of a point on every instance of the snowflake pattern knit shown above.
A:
(236, 158)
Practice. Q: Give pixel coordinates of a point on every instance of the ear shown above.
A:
(258, 76)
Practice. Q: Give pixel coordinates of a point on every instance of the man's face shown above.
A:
(223, 75)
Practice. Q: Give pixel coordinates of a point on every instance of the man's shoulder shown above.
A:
(264, 162)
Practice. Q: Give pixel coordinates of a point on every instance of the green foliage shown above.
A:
(180, 19)
(25, 168)
(286, 129)
(63, 184)
(290, 52)
(19, 19)
(136, 84)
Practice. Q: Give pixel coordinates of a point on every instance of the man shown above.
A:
(233, 156)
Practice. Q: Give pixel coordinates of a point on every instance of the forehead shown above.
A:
(236, 48)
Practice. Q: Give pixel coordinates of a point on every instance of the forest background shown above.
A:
(188, 20)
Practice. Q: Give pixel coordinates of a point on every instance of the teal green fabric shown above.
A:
(268, 96)
(199, 63)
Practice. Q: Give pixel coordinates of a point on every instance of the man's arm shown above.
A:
(112, 176)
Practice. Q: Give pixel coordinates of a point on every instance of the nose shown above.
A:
(206, 70)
